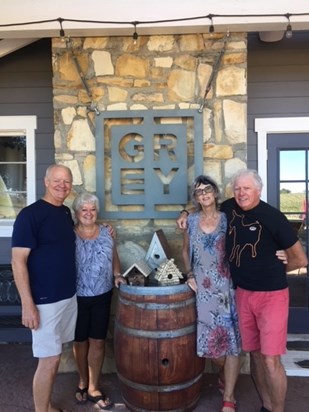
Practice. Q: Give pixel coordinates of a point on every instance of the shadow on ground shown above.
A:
(18, 366)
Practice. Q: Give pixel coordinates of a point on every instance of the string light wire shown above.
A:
(210, 17)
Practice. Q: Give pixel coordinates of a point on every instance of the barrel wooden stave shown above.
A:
(155, 348)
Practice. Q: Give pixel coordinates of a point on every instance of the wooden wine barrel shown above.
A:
(155, 348)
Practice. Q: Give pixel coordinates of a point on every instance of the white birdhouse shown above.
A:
(168, 273)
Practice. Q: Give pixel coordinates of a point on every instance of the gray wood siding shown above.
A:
(278, 82)
(26, 89)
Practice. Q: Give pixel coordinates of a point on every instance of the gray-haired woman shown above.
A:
(98, 270)
(208, 275)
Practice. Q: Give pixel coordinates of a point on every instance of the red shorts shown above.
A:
(263, 320)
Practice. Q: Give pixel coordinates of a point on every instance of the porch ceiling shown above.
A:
(8, 46)
(30, 20)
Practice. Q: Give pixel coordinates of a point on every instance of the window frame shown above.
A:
(21, 126)
(271, 125)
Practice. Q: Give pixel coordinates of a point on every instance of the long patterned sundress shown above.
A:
(217, 322)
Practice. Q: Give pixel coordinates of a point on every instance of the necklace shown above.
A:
(88, 233)
(212, 216)
(208, 223)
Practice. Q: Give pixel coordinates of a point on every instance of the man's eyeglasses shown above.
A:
(204, 191)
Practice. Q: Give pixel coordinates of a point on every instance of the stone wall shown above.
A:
(153, 72)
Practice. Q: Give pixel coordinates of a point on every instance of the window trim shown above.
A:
(23, 126)
(272, 125)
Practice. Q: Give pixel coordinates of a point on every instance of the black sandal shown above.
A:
(96, 400)
(81, 396)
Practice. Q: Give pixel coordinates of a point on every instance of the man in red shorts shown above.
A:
(255, 232)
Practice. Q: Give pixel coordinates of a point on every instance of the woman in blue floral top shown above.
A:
(208, 275)
(98, 270)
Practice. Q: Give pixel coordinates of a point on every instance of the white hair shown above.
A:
(84, 198)
(248, 172)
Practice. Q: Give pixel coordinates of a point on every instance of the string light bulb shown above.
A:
(211, 27)
(61, 33)
(135, 34)
(288, 32)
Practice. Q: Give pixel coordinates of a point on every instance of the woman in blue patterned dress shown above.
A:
(98, 270)
(208, 275)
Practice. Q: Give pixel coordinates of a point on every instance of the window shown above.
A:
(271, 126)
(17, 168)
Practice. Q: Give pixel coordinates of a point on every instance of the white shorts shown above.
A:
(57, 326)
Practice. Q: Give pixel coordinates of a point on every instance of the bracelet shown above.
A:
(190, 275)
(184, 211)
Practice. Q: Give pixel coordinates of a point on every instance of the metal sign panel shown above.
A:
(149, 157)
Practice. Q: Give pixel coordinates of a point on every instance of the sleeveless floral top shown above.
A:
(94, 264)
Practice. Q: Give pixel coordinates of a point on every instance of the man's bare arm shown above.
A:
(30, 314)
(183, 217)
(296, 257)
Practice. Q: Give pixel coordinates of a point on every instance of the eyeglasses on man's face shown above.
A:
(204, 190)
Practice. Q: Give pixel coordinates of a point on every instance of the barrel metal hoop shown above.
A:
(157, 306)
(134, 408)
(154, 334)
(156, 290)
(160, 388)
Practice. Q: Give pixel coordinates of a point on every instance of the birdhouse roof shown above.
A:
(141, 266)
(168, 268)
(158, 250)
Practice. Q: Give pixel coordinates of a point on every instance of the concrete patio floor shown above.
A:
(17, 367)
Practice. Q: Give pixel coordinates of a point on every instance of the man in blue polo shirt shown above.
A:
(43, 262)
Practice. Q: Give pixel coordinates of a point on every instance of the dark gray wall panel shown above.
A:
(278, 81)
(26, 89)
(42, 109)
(299, 88)
(34, 79)
(280, 74)
(5, 250)
(278, 107)
(25, 95)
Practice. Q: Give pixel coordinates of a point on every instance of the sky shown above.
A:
(293, 167)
